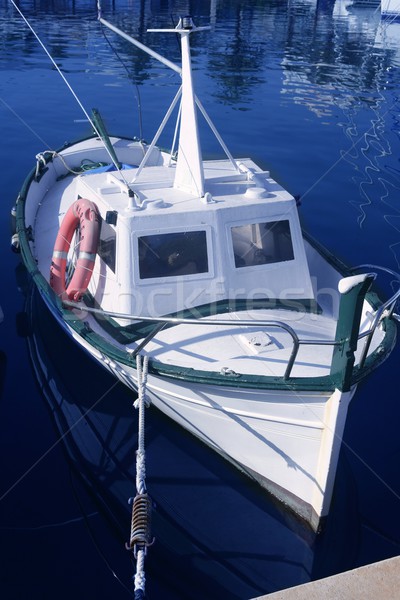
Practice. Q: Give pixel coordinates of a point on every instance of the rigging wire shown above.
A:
(138, 98)
(70, 89)
(35, 133)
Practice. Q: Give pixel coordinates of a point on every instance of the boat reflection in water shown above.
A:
(216, 533)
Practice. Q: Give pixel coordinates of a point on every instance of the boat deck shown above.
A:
(253, 350)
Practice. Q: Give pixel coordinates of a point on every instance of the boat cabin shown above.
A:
(241, 240)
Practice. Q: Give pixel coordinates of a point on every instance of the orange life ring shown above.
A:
(83, 214)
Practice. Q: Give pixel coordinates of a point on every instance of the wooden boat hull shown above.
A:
(293, 458)
(283, 432)
(287, 441)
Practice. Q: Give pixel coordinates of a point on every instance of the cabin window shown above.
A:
(107, 244)
(172, 254)
(261, 243)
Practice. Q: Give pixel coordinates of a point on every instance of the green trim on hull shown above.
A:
(324, 383)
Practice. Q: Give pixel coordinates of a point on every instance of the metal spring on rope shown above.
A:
(140, 524)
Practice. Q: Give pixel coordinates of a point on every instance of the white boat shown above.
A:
(256, 337)
(390, 9)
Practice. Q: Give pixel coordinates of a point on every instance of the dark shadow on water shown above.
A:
(218, 535)
(3, 369)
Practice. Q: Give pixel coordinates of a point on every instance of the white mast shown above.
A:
(189, 174)
(189, 168)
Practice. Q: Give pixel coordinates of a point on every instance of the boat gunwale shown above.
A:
(321, 383)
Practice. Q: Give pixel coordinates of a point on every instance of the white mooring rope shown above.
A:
(141, 511)
(141, 403)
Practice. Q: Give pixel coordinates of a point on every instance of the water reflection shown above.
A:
(314, 41)
(328, 62)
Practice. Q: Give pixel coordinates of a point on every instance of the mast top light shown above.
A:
(186, 22)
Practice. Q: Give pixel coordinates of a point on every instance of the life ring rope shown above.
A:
(84, 215)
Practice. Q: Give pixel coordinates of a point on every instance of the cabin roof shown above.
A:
(154, 189)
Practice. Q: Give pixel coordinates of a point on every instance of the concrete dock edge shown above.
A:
(378, 581)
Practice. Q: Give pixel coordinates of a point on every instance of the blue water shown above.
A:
(311, 92)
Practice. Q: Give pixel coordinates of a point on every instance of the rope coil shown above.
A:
(141, 523)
